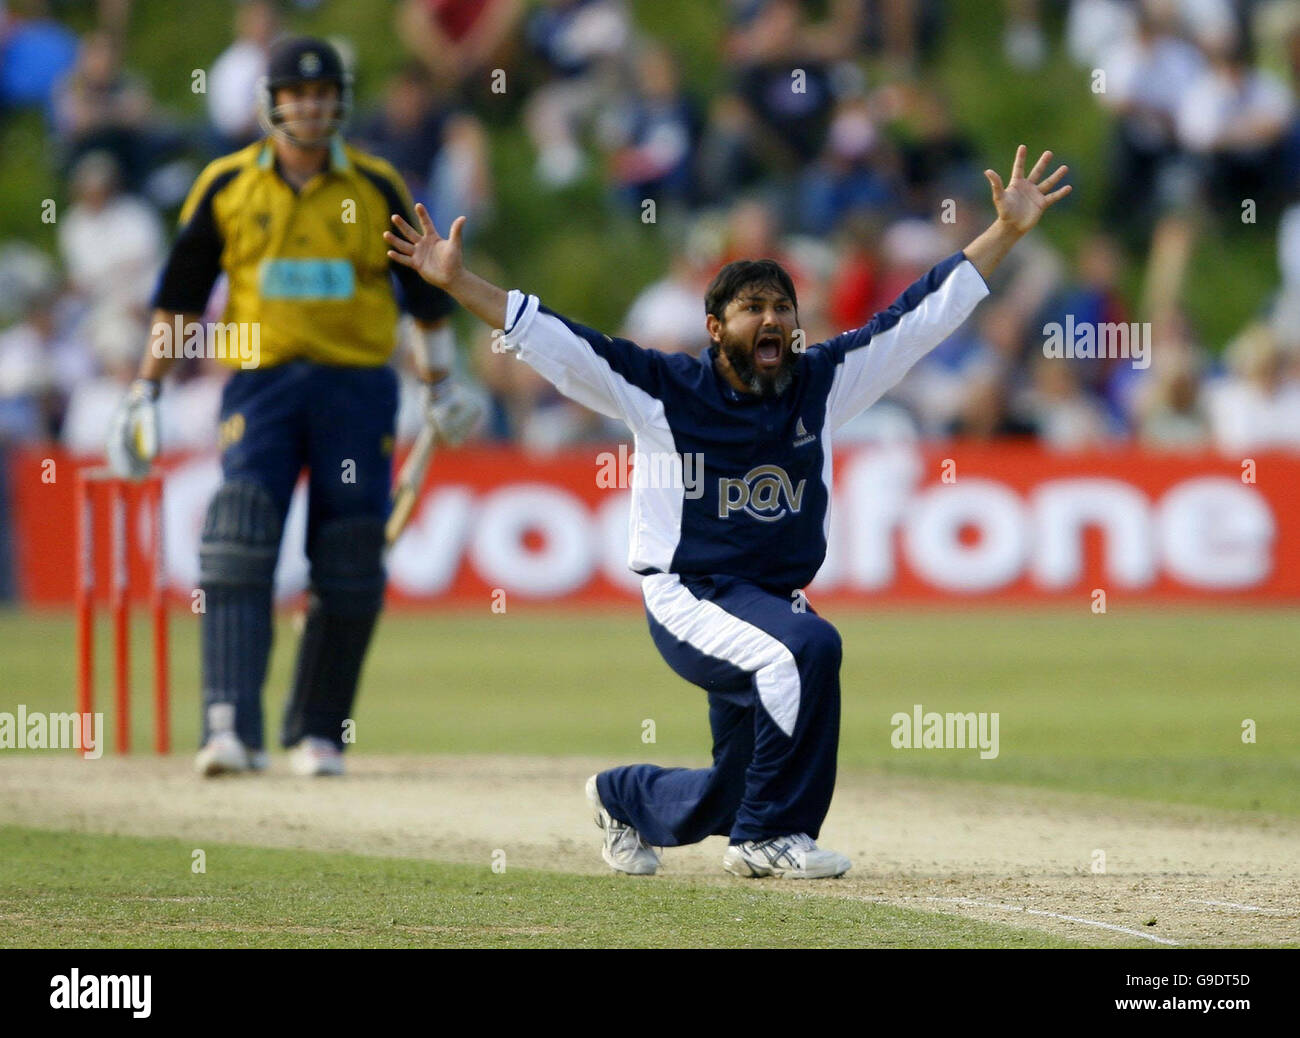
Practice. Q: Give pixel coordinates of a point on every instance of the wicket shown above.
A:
(128, 500)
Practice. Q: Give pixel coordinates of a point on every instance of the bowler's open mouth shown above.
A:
(768, 349)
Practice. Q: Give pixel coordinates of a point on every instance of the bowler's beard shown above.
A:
(765, 385)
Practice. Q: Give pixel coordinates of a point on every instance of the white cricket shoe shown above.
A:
(624, 849)
(315, 756)
(224, 754)
(792, 857)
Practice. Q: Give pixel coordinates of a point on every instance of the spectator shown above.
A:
(28, 402)
(900, 32)
(774, 117)
(441, 153)
(851, 174)
(36, 52)
(1291, 43)
(785, 86)
(115, 337)
(25, 271)
(187, 415)
(1286, 307)
(1094, 299)
(984, 413)
(1233, 121)
(728, 160)
(908, 249)
(458, 41)
(583, 46)
(1257, 406)
(232, 83)
(1288, 248)
(1095, 29)
(947, 389)
(668, 315)
(408, 128)
(1065, 416)
(191, 410)
(839, 37)
(752, 232)
(1024, 44)
(653, 134)
(1209, 22)
(1174, 416)
(111, 243)
(100, 106)
(1147, 77)
(854, 294)
(937, 159)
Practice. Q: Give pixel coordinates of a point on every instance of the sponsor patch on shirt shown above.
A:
(306, 279)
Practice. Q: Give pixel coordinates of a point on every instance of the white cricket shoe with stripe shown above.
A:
(315, 756)
(224, 754)
(791, 857)
(624, 850)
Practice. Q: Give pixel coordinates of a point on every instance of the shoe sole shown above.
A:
(738, 865)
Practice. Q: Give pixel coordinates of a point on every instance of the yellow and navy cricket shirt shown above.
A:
(310, 266)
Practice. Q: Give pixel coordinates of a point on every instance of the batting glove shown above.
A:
(453, 411)
(133, 434)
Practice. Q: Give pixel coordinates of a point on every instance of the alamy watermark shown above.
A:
(36, 730)
(921, 730)
(73, 990)
(658, 470)
(1096, 340)
(208, 340)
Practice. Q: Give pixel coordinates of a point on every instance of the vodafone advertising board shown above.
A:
(957, 522)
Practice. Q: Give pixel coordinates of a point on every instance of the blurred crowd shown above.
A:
(830, 147)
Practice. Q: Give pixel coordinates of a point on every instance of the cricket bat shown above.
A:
(406, 491)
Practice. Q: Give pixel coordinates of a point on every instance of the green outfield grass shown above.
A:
(119, 892)
(1137, 704)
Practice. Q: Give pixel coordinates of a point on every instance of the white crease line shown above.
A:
(1229, 904)
(1169, 899)
(1056, 915)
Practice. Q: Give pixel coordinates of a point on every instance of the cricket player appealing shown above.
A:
(724, 569)
(294, 222)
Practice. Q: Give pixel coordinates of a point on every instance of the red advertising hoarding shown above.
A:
(956, 522)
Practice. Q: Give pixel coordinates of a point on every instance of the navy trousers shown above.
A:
(338, 423)
(771, 667)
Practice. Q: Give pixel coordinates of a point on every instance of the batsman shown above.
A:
(294, 222)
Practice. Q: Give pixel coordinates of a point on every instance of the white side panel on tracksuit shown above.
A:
(567, 360)
(709, 628)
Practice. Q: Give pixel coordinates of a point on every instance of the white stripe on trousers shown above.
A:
(710, 629)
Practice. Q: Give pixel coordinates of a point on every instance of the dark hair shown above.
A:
(738, 275)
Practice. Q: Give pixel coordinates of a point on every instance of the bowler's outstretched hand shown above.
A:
(1022, 202)
(437, 259)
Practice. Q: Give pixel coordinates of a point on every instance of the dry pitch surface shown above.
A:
(1174, 876)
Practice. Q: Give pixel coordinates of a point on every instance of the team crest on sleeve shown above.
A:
(765, 492)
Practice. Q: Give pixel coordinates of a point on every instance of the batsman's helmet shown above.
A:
(302, 59)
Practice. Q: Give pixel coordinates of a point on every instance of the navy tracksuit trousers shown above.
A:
(770, 666)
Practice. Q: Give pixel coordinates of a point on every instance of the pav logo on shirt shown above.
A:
(765, 492)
